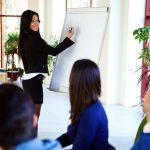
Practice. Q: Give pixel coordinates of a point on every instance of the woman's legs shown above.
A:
(34, 88)
(38, 109)
(37, 112)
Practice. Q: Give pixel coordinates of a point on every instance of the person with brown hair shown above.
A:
(88, 129)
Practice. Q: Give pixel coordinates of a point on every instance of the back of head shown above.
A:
(16, 116)
(85, 85)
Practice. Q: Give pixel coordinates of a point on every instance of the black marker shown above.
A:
(70, 29)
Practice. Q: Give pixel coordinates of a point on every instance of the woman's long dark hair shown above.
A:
(84, 86)
(25, 22)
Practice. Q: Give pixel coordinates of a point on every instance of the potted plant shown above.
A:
(54, 41)
(143, 35)
(11, 45)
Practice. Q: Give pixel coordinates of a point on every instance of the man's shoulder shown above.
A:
(51, 145)
(37, 144)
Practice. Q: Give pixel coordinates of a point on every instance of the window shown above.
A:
(9, 21)
(82, 3)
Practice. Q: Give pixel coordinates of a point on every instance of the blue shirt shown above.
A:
(143, 142)
(90, 132)
(37, 144)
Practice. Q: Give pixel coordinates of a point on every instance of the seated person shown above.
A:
(18, 122)
(88, 129)
(143, 141)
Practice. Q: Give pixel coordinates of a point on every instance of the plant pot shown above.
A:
(13, 75)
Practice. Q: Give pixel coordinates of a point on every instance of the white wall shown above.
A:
(134, 18)
(42, 14)
(111, 68)
(44, 8)
(33, 6)
(48, 19)
(119, 57)
(120, 53)
(58, 16)
(102, 3)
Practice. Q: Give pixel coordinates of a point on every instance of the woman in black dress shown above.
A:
(33, 51)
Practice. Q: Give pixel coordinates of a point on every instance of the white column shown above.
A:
(48, 20)
(110, 64)
(42, 17)
(120, 53)
(133, 17)
(58, 16)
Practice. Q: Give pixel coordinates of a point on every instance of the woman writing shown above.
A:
(33, 51)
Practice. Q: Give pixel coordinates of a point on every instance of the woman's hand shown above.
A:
(70, 32)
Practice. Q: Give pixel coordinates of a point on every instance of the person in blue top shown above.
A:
(143, 141)
(18, 121)
(88, 129)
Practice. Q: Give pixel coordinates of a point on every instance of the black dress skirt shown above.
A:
(34, 88)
